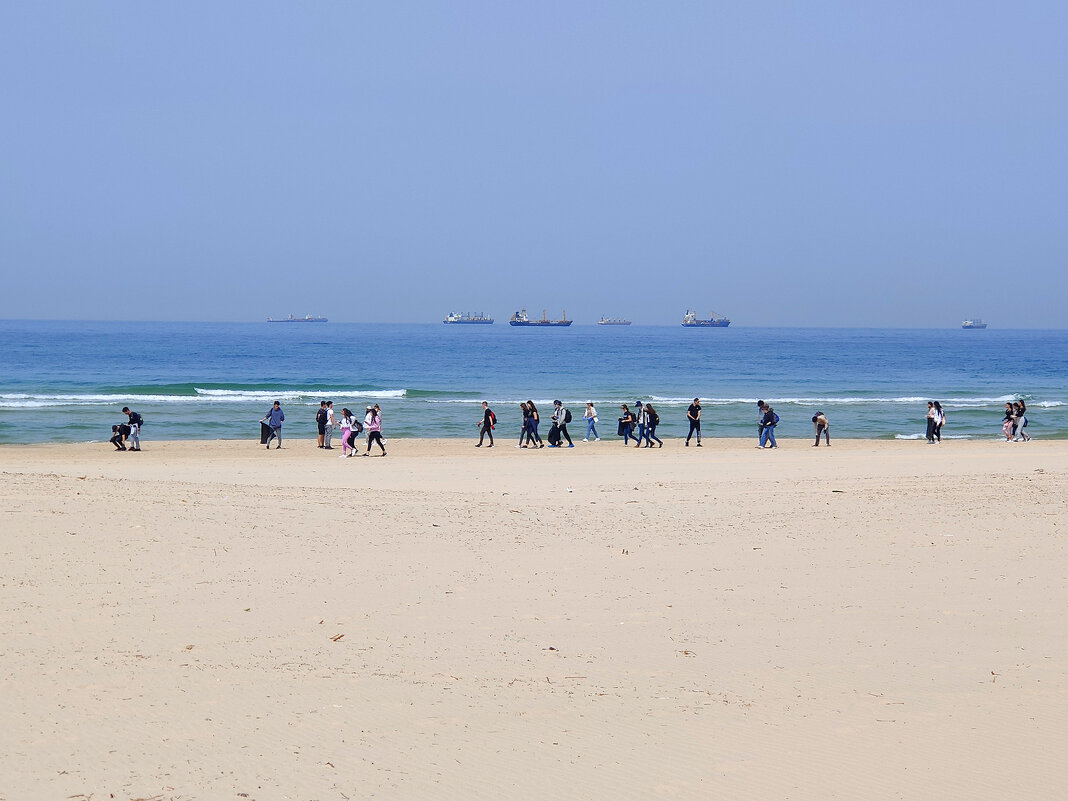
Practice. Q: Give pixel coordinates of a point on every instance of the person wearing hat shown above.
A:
(590, 416)
(693, 416)
(558, 432)
(819, 420)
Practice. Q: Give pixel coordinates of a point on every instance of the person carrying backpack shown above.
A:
(768, 421)
(488, 422)
(558, 433)
(136, 421)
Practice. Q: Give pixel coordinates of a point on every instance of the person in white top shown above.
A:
(330, 423)
(590, 416)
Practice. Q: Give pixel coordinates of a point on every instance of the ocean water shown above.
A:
(67, 381)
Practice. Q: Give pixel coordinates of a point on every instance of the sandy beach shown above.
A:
(207, 620)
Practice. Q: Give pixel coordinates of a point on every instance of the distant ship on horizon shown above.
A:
(612, 321)
(307, 318)
(976, 323)
(689, 320)
(467, 319)
(520, 318)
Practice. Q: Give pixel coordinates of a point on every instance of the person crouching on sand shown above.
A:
(118, 436)
(819, 422)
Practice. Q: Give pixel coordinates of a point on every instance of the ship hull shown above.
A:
(539, 323)
(707, 324)
(975, 327)
(468, 322)
(299, 320)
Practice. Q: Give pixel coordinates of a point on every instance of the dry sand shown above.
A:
(211, 621)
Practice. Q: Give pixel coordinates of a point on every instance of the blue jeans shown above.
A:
(768, 434)
(641, 433)
(650, 435)
(628, 434)
(591, 428)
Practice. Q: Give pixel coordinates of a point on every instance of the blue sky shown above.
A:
(781, 163)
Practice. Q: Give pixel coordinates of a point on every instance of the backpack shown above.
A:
(567, 415)
(320, 416)
(656, 419)
(137, 419)
(493, 419)
(776, 419)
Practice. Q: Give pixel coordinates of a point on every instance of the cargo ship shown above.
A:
(612, 321)
(520, 318)
(690, 321)
(307, 318)
(467, 319)
(976, 323)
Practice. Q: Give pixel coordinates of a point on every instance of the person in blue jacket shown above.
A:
(274, 418)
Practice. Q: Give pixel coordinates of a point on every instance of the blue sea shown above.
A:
(67, 381)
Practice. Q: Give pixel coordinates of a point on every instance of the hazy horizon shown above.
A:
(826, 165)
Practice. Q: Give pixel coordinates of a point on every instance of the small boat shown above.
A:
(307, 318)
(521, 318)
(467, 319)
(612, 321)
(689, 320)
(976, 323)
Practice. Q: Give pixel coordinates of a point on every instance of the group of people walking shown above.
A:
(350, 425)
(1014, 423)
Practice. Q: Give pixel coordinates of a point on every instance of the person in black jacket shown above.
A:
(136, 421)
(489, 420)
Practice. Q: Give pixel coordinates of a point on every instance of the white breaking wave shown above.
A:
(203, 396)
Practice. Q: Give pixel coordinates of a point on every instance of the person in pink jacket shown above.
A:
(373, 422)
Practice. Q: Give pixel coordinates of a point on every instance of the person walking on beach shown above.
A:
(643, 421)
(1020, 422)
(330, 423)
(348, 434)
(524, 432)
(652, 420)
(626, 425)
(940, 420)
(590, 416)
(489, 420)
(761, 407)
(558, 432)
(932, 422)
(532, 425)
(693, 416)
(274, 419)
(769, 422)
(373, 422)
(320, 423)
(819, 422)
(1007, 422)
(135, 423)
